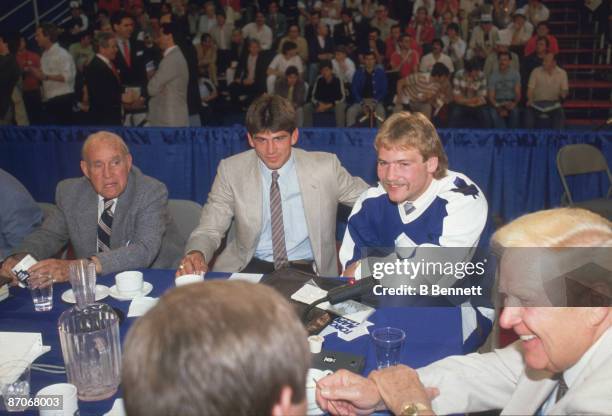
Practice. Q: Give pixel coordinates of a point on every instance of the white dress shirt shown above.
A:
(57, 61)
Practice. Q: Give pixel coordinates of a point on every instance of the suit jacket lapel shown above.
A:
(120, 216)
(252, 187)
(530, 393)
(311, 199)
(87, 214)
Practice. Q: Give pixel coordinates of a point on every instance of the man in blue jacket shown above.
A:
(369, 88)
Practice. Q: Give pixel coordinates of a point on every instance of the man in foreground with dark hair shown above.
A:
(236, 349)
(280, 202)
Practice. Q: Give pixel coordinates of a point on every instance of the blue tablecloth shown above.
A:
(431, 333)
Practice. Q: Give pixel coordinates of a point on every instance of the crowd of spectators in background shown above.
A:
(468, 63)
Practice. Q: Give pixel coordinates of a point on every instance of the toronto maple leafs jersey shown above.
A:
(452, 212)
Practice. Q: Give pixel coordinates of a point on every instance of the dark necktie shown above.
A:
(105, 224)
(279, 250)
(562, 389)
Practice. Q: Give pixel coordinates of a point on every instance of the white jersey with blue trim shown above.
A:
(452, 212)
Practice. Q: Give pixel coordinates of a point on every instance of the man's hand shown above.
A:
(54, 267)
(8, 265)
(350, 270)
(400, 385)
(346, 393)
(192, 263)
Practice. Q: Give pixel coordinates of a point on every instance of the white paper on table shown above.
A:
(25, 346)
(349, 309)
(360, 330)
(247, 277)
(141, 305)
(117, 410)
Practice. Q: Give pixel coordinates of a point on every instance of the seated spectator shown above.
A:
(406, 61)
(320, 48)
(208, 95)
(330, 12)
(222, 36)
(368, 89)
(443, 6)
(310, 30)
(237, 46)
(502, 12)
(504, 86)
(250, 77)
(533, 61)
(468, 109)
(421, 29)
(76, 23)
(374, 45)
(547, 87)
(367, 9)
(382, 21)
(424, 93)
(492, 63)
(19, 214)
(346, 32)
(207, 56)
(232, 10)
(454, 46)
(82, 51)
(293, 88)
(344, 67)
(293, 35)
(281, 62)
(276, 21)
(535, 12)
(436, 55)
(542, 31)
(562, 363)
(430, 6)
(259, 31)
(208, 20)
(443, 22)
(484, 38)
(392, 43)
(131, 207)
(327, 95)
(520, 30)
(246, 357)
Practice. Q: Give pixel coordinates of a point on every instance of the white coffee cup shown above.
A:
(311, 387)
(129, 283)
(48, 404)
(188, 279)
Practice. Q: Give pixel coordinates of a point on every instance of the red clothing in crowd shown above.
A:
(407, 65)
(441, 7)
(390, 48)
(29, 59)
(425, 36)
(553, 45)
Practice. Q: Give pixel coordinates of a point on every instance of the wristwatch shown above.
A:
(413, 409)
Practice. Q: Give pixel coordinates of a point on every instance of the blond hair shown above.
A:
(406, 130)
(560, 227)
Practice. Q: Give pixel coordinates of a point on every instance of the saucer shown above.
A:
(101, 293)
(146, 288)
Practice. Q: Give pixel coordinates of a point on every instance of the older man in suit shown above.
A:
(168, 87)
(103, 85)
(557, 295)
(282, 201)
(114, 216)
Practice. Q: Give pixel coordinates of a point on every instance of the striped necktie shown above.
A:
(279, 250)
(562, 389)
(408, 208)
(105, 224)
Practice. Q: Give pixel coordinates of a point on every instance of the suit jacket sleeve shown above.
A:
(150, 203)
(52, 236)
(163, 76)
(475, 382)
(216, 217)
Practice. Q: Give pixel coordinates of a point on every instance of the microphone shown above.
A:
(351, 290)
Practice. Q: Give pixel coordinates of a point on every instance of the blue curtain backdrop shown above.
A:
(516, 169)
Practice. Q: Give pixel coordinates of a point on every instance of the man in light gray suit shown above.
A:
(114, 215)
(556, 283)
(168, 87)
(245, 194)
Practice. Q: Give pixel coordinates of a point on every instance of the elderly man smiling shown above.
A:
(114, 215)
(551, 262)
